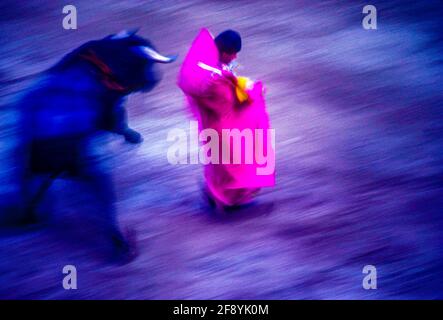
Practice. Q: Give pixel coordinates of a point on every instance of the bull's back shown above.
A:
(62, 105)
(60, 112)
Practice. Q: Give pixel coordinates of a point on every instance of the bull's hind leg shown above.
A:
(35, 193)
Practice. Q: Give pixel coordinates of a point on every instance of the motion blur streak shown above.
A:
(359, 135)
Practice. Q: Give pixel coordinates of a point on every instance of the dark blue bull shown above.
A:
(71, 103)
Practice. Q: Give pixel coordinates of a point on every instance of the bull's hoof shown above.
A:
(132, 136)
(124, 249)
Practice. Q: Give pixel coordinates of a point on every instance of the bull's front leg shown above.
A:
(97, 180)
(119, 123)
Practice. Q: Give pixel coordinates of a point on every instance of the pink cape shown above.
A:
(213, 102)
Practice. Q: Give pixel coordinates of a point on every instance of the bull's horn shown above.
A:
(154, 55)
(125, 34)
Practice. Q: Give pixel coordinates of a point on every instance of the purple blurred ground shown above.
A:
(358, 119)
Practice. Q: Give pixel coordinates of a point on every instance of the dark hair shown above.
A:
(228, 41)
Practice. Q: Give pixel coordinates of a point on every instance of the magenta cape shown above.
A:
(212, 100)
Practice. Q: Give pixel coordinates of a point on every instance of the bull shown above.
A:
(63, 112)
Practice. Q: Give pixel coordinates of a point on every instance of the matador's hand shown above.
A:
(229, 76)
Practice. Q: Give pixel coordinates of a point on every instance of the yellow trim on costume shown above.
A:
(243, 83)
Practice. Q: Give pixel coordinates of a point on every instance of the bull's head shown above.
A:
(132, 60)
